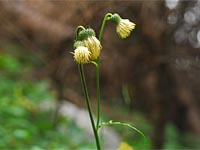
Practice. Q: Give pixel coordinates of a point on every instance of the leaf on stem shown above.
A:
(121, 124)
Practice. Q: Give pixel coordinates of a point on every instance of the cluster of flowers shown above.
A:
(88, 47)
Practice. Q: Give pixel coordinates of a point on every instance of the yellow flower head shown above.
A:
(88, 39)
(124, 26)
(82, 55)
(94, 46)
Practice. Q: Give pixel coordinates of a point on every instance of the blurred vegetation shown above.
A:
(173, 138)
(24, 124)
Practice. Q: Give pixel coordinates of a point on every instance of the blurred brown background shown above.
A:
(155, 71)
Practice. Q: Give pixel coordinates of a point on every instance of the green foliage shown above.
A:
(173, 138)
(9, 63)
(24, 124)
(177, 140)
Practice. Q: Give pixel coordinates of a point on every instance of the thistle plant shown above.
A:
(87, 49)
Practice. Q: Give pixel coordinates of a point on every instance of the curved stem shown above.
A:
(107, 16)
(80, 66)
(78, 29)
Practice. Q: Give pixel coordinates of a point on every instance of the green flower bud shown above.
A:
(84, 34)
(115, 18)
(78, 44)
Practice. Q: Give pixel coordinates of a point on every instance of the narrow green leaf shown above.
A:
(121, 124)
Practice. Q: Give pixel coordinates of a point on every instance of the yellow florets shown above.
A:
(82, 55)
(124, 28)
(125, 146)
(94, 46)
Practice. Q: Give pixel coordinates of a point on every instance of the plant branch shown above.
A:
(80, 66)
(107, 16)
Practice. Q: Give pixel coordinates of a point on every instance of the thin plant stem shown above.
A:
(78, 29)
(80, 66)
(106, 18)
(98, 71)
(98, 93)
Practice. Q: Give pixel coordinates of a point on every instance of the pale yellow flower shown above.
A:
(125, 146)
(125, 27)
(82, 55)
(94, 46)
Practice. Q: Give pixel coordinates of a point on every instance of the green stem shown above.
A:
(80, 66)
(78, 29)
(98, 93)
(107, 16)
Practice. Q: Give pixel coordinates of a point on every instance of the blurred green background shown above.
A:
(150, 79)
